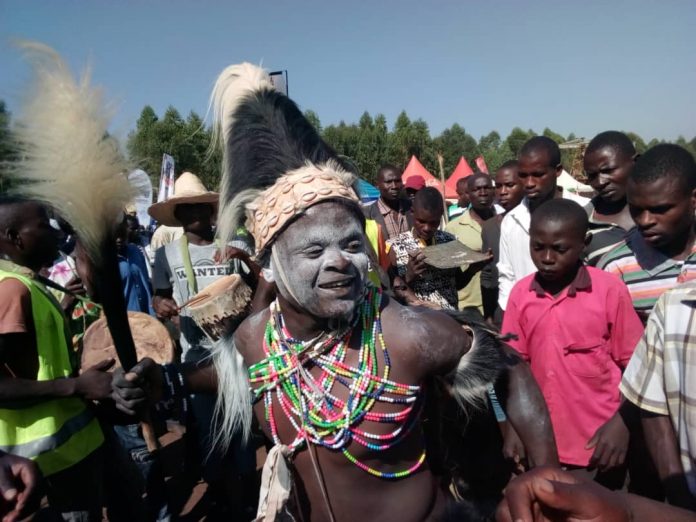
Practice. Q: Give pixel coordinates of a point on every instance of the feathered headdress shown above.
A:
(68, 161)
(275, 165)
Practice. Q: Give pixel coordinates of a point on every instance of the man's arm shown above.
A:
(162, 301)
(664, 450)
(20, 392)
(644, 386)
(526, 410)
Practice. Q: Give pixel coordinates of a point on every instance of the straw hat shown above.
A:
(188, 189)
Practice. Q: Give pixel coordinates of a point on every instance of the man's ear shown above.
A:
(693, 199)
(635, 157)
(559, 169)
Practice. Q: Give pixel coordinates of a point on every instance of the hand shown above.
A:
(74, 286)
(19, 487)
(95, 383)
(549, 494)
(415, 267)
(478, 265)
(135, 391)
(165, 307)
(513, 448)
(229, 253)
(610, 442)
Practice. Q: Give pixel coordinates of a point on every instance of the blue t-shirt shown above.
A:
(137, 290)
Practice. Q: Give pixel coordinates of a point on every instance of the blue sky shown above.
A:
(582, 67)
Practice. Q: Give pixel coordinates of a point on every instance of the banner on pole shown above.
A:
(166, 184)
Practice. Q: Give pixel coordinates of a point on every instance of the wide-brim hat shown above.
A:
(188, 189)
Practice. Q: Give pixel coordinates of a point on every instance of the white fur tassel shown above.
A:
(233, 412)
(68, 160)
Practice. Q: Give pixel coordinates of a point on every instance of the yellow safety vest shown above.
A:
(56, 433)
(373, 234)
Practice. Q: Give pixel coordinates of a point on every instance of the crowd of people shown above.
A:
(548, 379)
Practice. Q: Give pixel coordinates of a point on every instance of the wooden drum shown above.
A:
(150, 336)
(220, 306)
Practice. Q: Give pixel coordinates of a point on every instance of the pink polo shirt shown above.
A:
(577, 345)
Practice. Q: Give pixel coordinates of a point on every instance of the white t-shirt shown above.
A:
(169, 272)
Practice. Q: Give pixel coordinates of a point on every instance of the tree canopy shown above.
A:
(368, 144)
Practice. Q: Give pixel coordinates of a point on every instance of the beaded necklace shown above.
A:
(316, 414)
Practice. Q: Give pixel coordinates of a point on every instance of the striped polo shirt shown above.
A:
(603, 237)
(647, 272)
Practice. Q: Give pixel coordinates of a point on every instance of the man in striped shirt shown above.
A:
(608, 162)
(660, 252)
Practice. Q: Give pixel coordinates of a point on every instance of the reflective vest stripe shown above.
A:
(36, 447)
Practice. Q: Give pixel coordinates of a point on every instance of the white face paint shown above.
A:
(320, 263)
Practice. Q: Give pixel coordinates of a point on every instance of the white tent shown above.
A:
(570, 184)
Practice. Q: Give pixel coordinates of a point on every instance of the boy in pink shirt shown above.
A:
(577, 328)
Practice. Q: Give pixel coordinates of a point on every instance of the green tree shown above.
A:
(411, 139)
(187, 141)
(142, 145)
(638, 142)
(454, 143)
(517, 138)
(313, 118)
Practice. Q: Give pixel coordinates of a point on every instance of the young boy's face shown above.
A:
(556, 247)
(663, 211)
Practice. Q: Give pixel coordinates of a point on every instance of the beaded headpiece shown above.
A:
(292, 194)
(275, 164)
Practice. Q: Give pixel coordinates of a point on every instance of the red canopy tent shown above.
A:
(462, 170)
(416, 168)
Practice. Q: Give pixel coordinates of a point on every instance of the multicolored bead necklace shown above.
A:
(316, 414)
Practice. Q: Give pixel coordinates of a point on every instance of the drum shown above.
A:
(150, 336)
(220, 306)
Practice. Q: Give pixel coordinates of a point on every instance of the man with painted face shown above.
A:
(539, 165)
(467, 229)
(659, 252)
(44, 413)
(608, 161)
(390, 211)
(335, 366)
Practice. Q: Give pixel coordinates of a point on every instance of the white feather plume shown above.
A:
(68, 160)
(233, 84)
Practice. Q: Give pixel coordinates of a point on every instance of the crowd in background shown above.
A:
(596, 294)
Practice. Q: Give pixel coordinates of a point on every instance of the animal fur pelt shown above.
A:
(68, 161)
(480, 366)
(263, 135)
(233, 412)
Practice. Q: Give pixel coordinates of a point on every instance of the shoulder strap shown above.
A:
(188, 267)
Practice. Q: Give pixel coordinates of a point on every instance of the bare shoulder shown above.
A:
(249, 334)
(15, 296)
(13, 288)
(428, 340)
